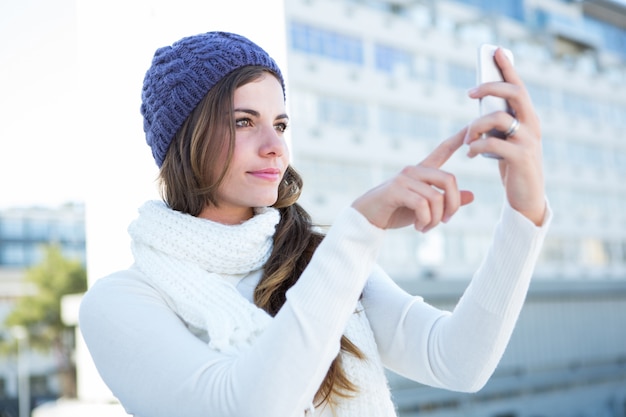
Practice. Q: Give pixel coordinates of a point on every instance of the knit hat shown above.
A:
(183, 73)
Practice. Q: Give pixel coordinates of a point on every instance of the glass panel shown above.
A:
(326, 43)
(402, 123)
(389, 59)
(13, 254)
(12, 228)
(340, 112)
(461, 77)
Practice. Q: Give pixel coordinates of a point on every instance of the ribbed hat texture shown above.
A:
(183, 73)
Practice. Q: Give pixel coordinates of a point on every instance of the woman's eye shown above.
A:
(242, 123)
(281, 127)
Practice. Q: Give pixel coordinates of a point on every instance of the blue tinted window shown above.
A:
(550, 151)
(388, 59)
(620, 161)
(13, 254)
(576, 105)
(461, 77)
(38, 229)
(613, 37)
(326, 43)
(510, 8)
(540, 95)
(403, 123)
(12, 228)
(340, 112)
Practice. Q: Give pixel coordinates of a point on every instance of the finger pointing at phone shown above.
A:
(520, 154)
(422, 194)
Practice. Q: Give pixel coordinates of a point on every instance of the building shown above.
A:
(373, 85)
(24, 231)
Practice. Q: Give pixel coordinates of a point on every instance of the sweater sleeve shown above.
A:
(458, 350)
(157, 367)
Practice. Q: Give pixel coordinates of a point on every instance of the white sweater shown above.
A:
(157, 366)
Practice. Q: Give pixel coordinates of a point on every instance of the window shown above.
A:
(39, 386)
(584, 155)
(619, 161)
(453, 247)
(425, 68)
(402, 123)
(577, 106)
(323, 176)
(612, 113)
(34, 253)
(613, 37)
(342, 113)
(326, 43)
(551, 151)
(11, 228)
(389, 59)
(593, 205)
(620, 116)
(68, 231)
(552, 251)
(541, 95)
(13, 254)
(38, 229)
(594, 252)
(622, 251)
(488, 192)
(513, 9)
(475, 246)
(461, 77)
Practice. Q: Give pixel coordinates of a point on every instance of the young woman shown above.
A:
(237, 306)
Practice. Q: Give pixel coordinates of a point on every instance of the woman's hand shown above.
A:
(422, 195)
(521, 157)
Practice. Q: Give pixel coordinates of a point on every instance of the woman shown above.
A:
(237, 306)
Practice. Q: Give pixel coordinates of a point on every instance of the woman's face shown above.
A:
(260, 156)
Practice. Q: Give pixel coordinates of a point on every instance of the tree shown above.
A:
(40, 313)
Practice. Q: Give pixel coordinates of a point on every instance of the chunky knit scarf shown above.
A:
(183, 256)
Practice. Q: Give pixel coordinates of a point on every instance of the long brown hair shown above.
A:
(189, 181)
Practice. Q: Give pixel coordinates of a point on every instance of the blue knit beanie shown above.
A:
(183, 73)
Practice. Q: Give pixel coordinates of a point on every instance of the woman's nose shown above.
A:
(273, 142)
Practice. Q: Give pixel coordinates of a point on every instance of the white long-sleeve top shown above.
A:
(157, 367)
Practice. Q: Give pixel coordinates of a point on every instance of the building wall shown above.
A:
(374, 85)
(386, 95)
(24, 231)
(567, 357)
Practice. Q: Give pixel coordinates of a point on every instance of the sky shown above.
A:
(70, 81)
(38, 156)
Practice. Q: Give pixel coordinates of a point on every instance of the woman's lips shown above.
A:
(270, 174)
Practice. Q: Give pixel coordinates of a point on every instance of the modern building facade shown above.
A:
(24, 231)
(374, 85)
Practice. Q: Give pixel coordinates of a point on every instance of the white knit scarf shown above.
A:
(183, 255)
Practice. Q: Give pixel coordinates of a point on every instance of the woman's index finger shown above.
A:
(444, 150)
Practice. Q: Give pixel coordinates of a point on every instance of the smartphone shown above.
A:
(488, 71)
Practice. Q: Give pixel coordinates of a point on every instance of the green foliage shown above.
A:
(40, 313)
